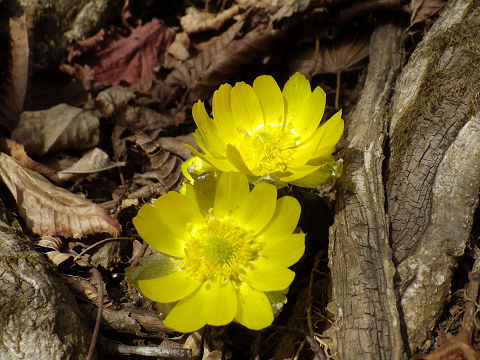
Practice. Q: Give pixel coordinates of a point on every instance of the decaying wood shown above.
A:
(39, 318)
(434, 170)
(367, 320)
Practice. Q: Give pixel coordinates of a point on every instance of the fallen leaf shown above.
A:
(17, 152)
(243, 42)
(119, 55)
(333, 57)
(423, 9)
(179, 47)
(13, 87)
(93, 161)
(113, 99)
(457, 348)
(51, 210)
(87, 290)
(55, 254)
(61, 127)
(195, 21)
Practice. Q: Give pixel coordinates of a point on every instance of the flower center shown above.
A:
(267, 149)
(219, 250)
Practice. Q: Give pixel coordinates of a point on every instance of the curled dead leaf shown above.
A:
(195, 20)
(119, 56)
(93, 161)
(87, 290)
(423, 9)
(113, 99)
(61, 127)
(13, 87)
(50, 210)
(333, 57)
(54, 254)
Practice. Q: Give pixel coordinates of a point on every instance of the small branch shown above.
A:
(122, 349)
(99, 281)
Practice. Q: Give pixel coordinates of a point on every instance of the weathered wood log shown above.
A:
(434, 170)
(367, 320)
(39, 318)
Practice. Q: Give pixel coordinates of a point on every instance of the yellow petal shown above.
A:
(188, 314)
(203, 193)
(232, 190)
(295, 92)
(285, 218)
(269, 275)
(332, 131)
(168, 288)
(246, 108)
(254, 309)
(305, 151)
(308, 117)
(235, 158)
(220, 164)
(284, 250)
(270, 98)
(258, 208)
(220, 303)
(207, 129)
(163, 224)
(300, 172)
(331, 169)
(222, 113)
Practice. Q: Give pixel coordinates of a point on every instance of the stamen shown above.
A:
(219, 250)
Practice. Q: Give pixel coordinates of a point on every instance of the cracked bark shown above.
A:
(367, 320)
(432, 186)
(39, 318)
(434, 179)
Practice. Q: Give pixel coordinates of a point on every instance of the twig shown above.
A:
(337, 92)
(311, 341)
(117, 348)
(309, 293)
(99, 281)
(101, 242)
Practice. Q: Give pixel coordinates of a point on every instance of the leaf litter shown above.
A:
(125, 146)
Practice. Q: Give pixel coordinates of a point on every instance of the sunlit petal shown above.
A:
(284, 219)
(284, 250)
(246, 108)
(232, 190)
(168, 288)
(258, 208)
(254, 309)
(188, 314)
(271, 99)
(269, 275)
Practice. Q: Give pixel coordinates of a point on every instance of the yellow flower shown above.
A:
(269, 134)
(224, 255)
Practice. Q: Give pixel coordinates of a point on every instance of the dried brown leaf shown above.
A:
(423, 9)
(61, 127)
(195, 21)
(17, 152)
(93, 161)
(221, 56)
(119, 56)
(339, 56)
(55, 254)
(51, 210)
(179, 47)
(113, 99)
(457, 348)
(87, 290)
(14, 87)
